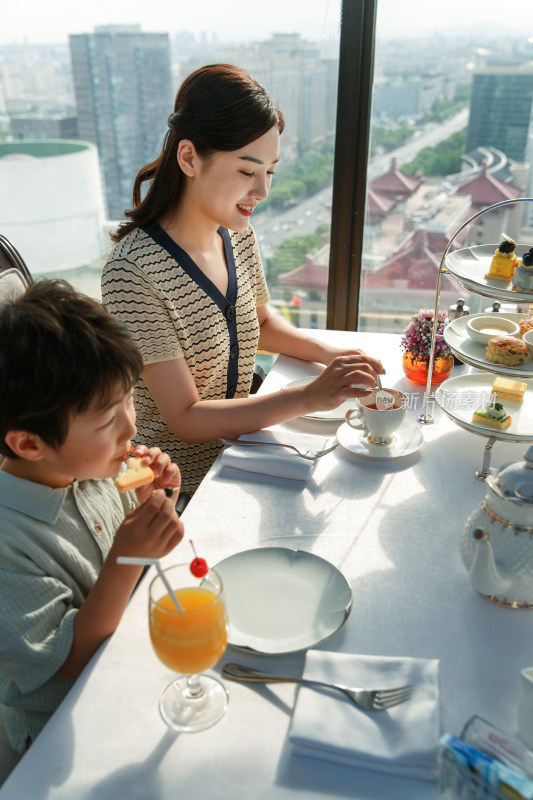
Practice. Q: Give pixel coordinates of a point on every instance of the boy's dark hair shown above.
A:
(60, 352)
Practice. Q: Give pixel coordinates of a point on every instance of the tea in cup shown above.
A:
(379, 414)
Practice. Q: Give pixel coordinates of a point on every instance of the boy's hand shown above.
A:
(151, 530)
(167, 474)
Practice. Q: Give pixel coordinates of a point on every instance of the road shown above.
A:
(274, 227)
(433, 133)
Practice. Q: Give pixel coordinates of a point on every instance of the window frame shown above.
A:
(352, 145)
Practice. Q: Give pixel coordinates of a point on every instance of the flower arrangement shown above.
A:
(416, 338)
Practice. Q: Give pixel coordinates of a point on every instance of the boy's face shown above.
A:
(97, 443)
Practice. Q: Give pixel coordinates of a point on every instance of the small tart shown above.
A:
(502, 267)
(523, 276)
(492, 414)
(504, 261)
(523, 279)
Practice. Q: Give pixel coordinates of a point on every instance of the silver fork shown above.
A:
(310, 455)
(372, 699)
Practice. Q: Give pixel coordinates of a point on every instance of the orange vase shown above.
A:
(417, 370)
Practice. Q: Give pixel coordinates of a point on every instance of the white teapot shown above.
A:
(497, 543)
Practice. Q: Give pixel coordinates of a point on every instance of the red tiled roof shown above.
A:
(378, 205)
(396, 182)
(313, 274)
(415, 263)
(485, 189)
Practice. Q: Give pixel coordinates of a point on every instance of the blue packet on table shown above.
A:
(468, 774)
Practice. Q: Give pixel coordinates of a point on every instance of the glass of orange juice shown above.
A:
(189, 641)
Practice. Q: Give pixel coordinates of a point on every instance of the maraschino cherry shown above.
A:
(198, 565)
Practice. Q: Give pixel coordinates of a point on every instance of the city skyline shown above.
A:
(54, 21)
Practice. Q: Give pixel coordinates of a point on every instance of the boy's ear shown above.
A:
(25, 445)
(187, 157)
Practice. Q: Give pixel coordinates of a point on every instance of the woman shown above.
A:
(186, 278)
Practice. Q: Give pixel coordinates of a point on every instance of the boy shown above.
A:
(67, 418)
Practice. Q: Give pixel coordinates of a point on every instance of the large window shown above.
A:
(112, 86)
(450, 134)
(433, 122)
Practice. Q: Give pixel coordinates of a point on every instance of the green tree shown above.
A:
(445, 107)
(307, 175)
(291, 254)
(443, 159)
(387, 139)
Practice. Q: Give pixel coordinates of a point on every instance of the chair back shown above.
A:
(10, 258)
(15, 276)
(12, 285)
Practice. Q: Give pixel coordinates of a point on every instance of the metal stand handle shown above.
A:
(482, 473)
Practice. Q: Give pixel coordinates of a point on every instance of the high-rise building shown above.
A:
(500, 108)
(123, 89)
(44, 126)
(302, 82)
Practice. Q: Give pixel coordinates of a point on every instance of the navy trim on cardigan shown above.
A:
(226, 304)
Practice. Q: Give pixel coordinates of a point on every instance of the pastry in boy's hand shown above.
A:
(506, 350)
(134, 476)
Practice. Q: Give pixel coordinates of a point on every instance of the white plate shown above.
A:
(473, 353)
(337, 414)
(406, 440)
(281, 600)
(459, 398)
(469, 266)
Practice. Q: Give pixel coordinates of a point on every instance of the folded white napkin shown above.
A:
(402, 740)
(278, 461)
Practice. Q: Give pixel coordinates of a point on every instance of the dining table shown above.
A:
(392, 527)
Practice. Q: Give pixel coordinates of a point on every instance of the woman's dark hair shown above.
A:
(219, 108)
(60, 353)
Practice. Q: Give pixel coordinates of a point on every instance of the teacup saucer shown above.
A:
(406, 440)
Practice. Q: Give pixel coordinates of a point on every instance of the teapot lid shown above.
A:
(514, 481)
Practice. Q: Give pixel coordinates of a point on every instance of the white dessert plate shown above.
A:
(406, 440)
(459, 398)
(281, 600)
(471, 352)
(337, 414)
(469, 266)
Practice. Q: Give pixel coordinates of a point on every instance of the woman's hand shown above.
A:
(352, 374)
(194, 420)
(329, 353)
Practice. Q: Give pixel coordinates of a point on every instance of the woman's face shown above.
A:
(227, 188)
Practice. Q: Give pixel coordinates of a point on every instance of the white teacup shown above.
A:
(379, 414)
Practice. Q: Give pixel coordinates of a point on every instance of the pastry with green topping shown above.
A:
(492, 414)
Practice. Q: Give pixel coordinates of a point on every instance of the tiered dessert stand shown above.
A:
(469, 266)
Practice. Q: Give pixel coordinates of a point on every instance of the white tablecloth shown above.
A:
(393, 529)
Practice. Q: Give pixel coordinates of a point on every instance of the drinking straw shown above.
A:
(145, 562)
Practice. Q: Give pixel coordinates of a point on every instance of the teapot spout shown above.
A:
(484, 574)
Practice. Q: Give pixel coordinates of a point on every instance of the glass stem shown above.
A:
(194, 687)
